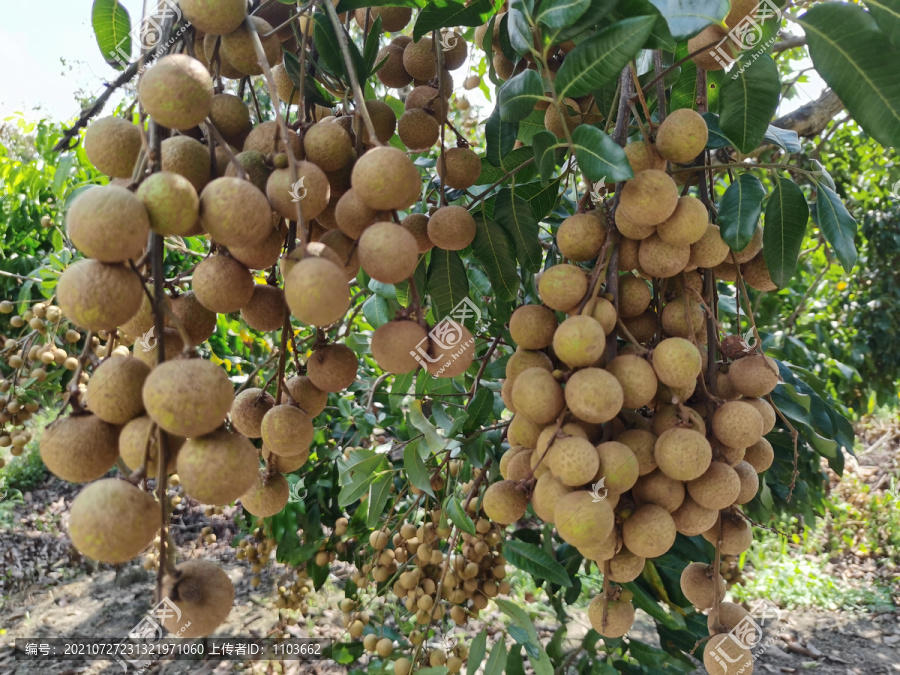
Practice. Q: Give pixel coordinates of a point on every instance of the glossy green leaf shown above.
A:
(415, 468)
(716, 138)
(748, 101)
(452, 13)
(541, 198)
(887, 15)
(739, 211)
(545, 145)
(660, 36)
(447, 281)
(520, 37)
(378, 311)
(784, 138)
(500, 137)
(837, 225)
(595, 13)
(519, 95)
(379, 493)
(599, 59)
(536, 561)
(327, 45)
(785, 226)
(494, 249)
(112, 28)
(516, 217)
(541, 664)
(859, 62)
(688, 17)
(458, 516)
(345, 5)
(599, 156)
(477, 651)
(560, 13)
(492, 174)
(496, 663)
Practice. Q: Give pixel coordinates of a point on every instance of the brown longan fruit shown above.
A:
(316, 291)
(176, 91)
(332, 368)
(682, 135)
(222, 284)
(459, 168)
(503, 503)
(451, 228)
(109, 224)
(562, 287)
(234, 212)
(580, 237)
(388, 252)
(95, 296)
(700, 585)
(266, 308)
(594, 395)
(649, 198)
(649, 531)
(709, 38)
(532, 326)
(188, 397)
(754, 376)
(392, 344)
(611, 618)
(386, 179)
(112, 145)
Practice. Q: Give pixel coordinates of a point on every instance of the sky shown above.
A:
(49, 54)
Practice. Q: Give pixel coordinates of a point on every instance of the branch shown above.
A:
(789, 43)
(811, 119)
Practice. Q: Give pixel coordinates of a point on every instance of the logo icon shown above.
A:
(448, 41)
(445, 643)
(747, 635)
(895, 191)
(150, 627)
(595, 490)
(296, 188)
(147, 341)
(595, 193)
(148, 33)
(893, 491)
(446, 338)
(748, 33)
(296, 492)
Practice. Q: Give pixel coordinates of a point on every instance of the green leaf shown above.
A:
(495, 251)
(541, 663)
(599, 59)
(688, 17)
(748, 100)
(496, 663)
(516, 217)
(887, 15)
(327, 45)
(352, 492)
(437, 15)
(561, 13)
(371, 47)
(545, 144)
(433, 440)
(519, 95)
(458, 516)
(491, 174)
(837, 225)
(784, 138)
(379, 492)
(477, 651)
(599, 156)
(716, 138)
(651, 605)
(660, 36)
(541, 198)
(415, 468)
(500, 137)
(378, 311)
(858, 61)
(346, 5)
(536, 561)
(739, 211)
(786, 216)
(112, 28)
(480, 409)
(447, 281)
(520, 37)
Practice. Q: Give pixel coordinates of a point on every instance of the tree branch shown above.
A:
(811, 119)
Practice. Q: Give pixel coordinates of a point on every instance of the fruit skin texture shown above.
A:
(459, 168)
(710, 37)
(710, 250)
(248, 410)
(266, 499)
(579, 341)
(386, 179)
(687, 224)
(114, 390)
(503, 503)
(188, 397)
(95, 296)
(286, 430)
(749, 482)
(79, 448)
(580, 520)
(455, 359)
(112, 145)
(171, 202)
(725, 648)
(177, 91)
(392, 344)
(311, 399)
(198, 322)
(649, 198)
(332, 368)
(692, 519)
(682, 136)
(204, 594)
(265, 309)
(618, 465)
(328, 146)
(452, 228)
(217, 468)
(133, 443)
(658, 488)
(562, 287)
(682, 454)
(112, 521)
(760, 455)
(419, 61)
(637, 379)
(388, 252)
(660, 259)
(677, 362)
(187, 157)
(642, 156)
(214, 17)
(737, 424)
(108, 224)
(649, 532)
(700, 586)
(594, 395)
(315, 193)
(316, 291)
(572, 460)
(737, 536)
(237, 47)
(235, 213)
(222, 284)
(580, 237)
(547, 491)
(717, 488)
(418, 130)
(532, 326)
(612, 619)
(754, 376)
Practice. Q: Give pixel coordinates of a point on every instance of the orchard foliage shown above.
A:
(410, 474)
